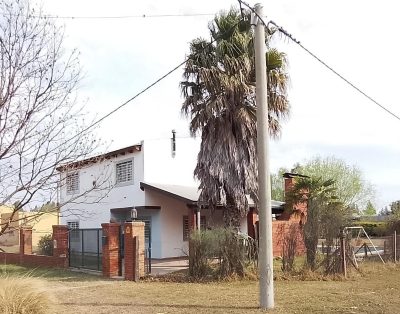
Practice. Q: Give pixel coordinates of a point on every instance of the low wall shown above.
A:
(282, 229)
(33, 260)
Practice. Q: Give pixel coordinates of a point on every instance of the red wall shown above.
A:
(33, 260)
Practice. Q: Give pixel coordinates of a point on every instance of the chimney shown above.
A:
(173, 144)
(290, 179)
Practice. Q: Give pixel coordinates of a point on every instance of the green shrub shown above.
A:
(219, 253)
(46, 245)
(22, 296)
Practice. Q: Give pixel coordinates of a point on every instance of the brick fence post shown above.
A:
(110, 249)
(252, 218)
(134, 256)
(25, 240)
(60, 242)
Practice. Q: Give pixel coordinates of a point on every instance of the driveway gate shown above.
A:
(85, 248)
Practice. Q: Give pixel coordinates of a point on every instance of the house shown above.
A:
(153, 179)
(41, 224)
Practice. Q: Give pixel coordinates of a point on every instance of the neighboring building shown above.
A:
(41, 224)
(154, 179)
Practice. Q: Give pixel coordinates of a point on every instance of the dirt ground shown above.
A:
(376, 291)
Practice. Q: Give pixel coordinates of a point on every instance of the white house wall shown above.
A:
(170, 242)
(93, 208)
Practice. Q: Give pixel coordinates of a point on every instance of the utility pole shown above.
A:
(264, 182)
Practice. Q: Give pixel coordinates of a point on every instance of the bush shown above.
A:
(22, 296)
(394, 225)
(374, 228)
(46, 245)
(220, 253)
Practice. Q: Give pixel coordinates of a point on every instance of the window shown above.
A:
(186, 226)
(73, 183)
(124, 172)
(74, 233)
(73, 224)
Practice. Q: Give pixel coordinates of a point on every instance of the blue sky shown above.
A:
(358, 38)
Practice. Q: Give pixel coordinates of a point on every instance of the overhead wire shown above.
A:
(117, 17)
(152, 84)
(292, 38)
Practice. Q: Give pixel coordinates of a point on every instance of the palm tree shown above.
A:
(219, 92)
(325, 215)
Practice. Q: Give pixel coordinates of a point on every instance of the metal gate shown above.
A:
(85, 248)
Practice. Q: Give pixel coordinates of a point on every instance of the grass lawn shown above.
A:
(375, 292)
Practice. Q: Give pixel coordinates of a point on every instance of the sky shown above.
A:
(120, 57)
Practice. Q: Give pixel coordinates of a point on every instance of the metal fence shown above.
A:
(85, 248)
(391, 248)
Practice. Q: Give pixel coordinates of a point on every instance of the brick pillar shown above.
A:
(288, 186)
(252, 218)
(25, 240)
(134, 250)
(60, 241)
(110, 249)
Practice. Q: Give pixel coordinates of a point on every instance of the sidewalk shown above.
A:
(162, 267)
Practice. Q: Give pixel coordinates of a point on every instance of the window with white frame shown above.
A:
(73, 183)
(124, 172)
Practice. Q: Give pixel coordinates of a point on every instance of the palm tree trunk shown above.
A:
(231, 214)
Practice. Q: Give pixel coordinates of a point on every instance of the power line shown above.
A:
(116, 17)
(152, 84)
(134, 97)
(283, 31)
(291, 37)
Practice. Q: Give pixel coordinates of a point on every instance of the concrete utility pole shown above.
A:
(264, 181)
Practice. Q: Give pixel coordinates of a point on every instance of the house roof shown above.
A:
(188, 194)
(94, 159)
(294, 175)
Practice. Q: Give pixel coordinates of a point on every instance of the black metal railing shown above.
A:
(85, 248)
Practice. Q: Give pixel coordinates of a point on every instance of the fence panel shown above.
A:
(85, 248)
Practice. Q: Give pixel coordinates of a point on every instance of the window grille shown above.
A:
(186, 232)
(73, 224)
(124, 171)
(72, 183)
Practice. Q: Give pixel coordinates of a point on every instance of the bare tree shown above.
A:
(41, 121)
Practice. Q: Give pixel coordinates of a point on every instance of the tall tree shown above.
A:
(351, 187)
(41, 122)
(277, 185)
(369, 210)
(219, 91)
(395, 209)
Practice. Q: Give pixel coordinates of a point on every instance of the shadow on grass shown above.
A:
(57, 274)
(173, 306)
